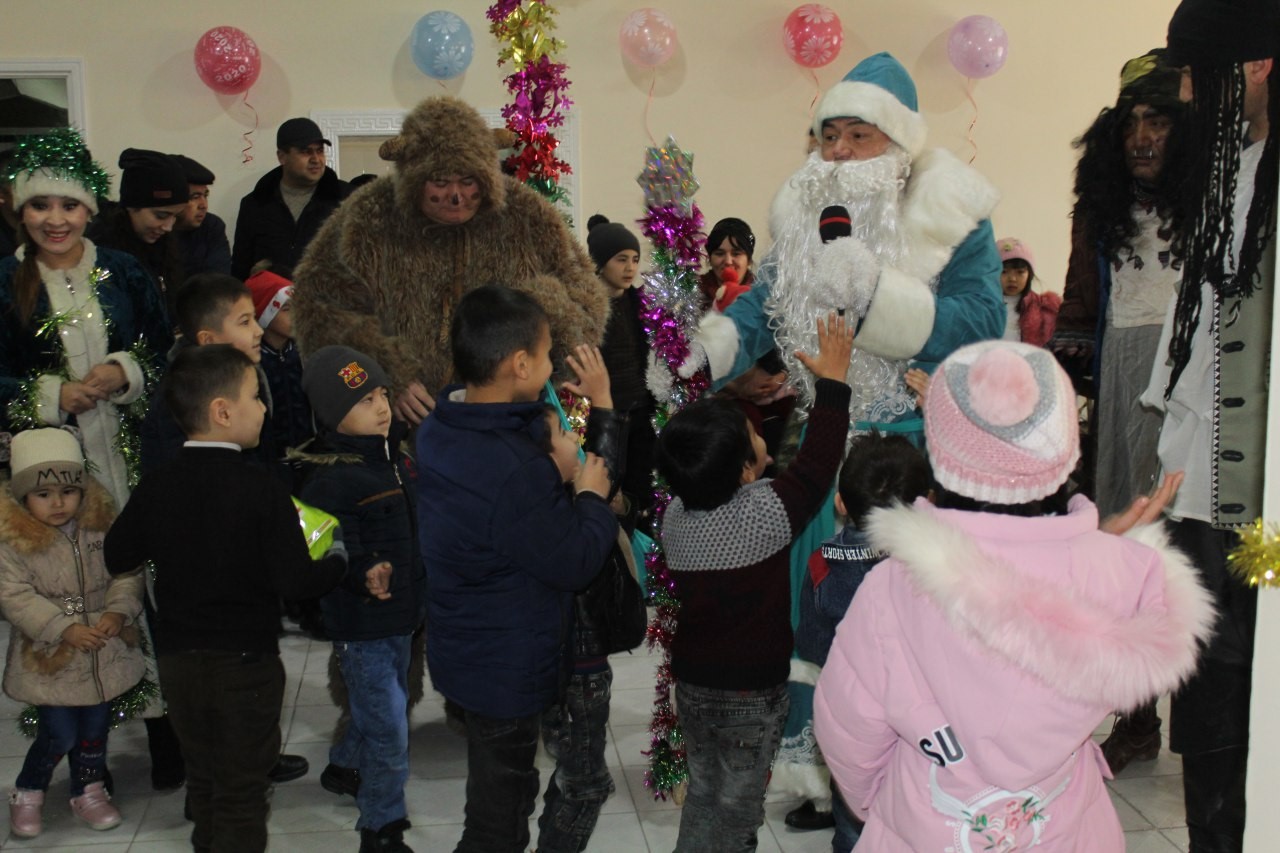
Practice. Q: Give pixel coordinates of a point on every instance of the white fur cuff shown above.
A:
(49, 400)
(846, 274)
(135, 382)
(900, 318)
(718, 337)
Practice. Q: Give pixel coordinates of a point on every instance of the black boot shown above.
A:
(1135, 737)
(340, 780)
(168, 770)
(389, 839)
(287, 768)
(806, 817)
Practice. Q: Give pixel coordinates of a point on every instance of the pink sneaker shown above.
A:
(24, 812)
(94, 807)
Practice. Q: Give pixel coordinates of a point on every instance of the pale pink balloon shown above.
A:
(812, 35)
(978, 46)
(227, 60)
(647, 37)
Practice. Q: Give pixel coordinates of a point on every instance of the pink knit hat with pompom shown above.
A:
(1000, 423)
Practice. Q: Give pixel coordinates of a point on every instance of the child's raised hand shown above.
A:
(84, 638)
(593, 476)
(593, 377)
(918, 381)
(378, 581)
(110, 624)
(835, 348)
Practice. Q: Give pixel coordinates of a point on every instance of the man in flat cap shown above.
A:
(202, 236)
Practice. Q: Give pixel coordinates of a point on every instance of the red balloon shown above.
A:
(227, 60)
(812, 35)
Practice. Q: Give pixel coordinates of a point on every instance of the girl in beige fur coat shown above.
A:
(73, 643)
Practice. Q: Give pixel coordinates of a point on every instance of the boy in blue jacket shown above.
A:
(505, 548)
(372, 615)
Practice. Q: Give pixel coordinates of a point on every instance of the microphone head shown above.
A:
(834, 223)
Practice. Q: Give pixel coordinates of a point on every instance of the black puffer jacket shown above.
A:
(266, 230)
(355, 480)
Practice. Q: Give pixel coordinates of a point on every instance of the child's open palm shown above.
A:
(835, 348)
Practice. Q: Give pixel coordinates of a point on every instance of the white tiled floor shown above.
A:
(307, 819)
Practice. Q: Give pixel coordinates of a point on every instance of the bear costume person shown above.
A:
(386, 270)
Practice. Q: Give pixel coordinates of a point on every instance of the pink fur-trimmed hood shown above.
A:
(1097, 620)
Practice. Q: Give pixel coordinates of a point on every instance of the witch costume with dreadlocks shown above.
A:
(1121, 280)
(1213, 386)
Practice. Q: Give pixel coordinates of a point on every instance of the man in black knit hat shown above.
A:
(1211, 378)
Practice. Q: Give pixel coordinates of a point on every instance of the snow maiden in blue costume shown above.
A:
(920, 268)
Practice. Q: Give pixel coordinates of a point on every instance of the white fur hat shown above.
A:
(879, 91)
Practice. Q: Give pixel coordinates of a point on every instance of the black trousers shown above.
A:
(225, 708)
(1210, 713)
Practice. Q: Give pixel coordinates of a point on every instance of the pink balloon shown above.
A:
(812, 35)
(647, 37)
(978, 46)
(227, 60)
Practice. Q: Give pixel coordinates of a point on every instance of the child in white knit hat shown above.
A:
(73, 644)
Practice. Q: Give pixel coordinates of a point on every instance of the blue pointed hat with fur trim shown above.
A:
(879, 91)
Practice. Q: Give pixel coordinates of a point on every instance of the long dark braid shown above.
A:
(1211, 186)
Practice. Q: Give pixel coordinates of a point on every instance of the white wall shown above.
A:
(730, 95)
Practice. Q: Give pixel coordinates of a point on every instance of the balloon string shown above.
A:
(248, 143)
(649, 100)
(817, 92)
(968, 93)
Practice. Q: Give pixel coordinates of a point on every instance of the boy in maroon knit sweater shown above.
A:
(727, 536)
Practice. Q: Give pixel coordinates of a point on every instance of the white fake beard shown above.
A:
(871, 190)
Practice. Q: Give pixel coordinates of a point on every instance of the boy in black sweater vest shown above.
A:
(727, 536)
(224, 538)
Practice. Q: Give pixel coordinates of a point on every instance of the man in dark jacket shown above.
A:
(289, 203)
(202, 236)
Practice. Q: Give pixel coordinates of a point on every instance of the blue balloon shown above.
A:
(441, 45)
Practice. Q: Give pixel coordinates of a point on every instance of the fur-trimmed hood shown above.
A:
(1114, 632)
(944, 201)
(21, 532)
(443, 136)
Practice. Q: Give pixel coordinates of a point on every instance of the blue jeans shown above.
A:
(377, 738)
(574, 735)
(502, 783)
(79, 733)
(731, 737)
(848, 827)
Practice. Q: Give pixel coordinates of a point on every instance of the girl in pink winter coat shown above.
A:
(959, 699)
(1033, 316)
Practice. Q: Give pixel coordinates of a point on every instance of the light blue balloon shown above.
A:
(441, 45)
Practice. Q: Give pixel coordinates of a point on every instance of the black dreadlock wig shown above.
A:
(1215, 134)
(1106, 192)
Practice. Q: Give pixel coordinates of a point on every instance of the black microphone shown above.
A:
(834, 223)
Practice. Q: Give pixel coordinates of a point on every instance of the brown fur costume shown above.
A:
(383, 278)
